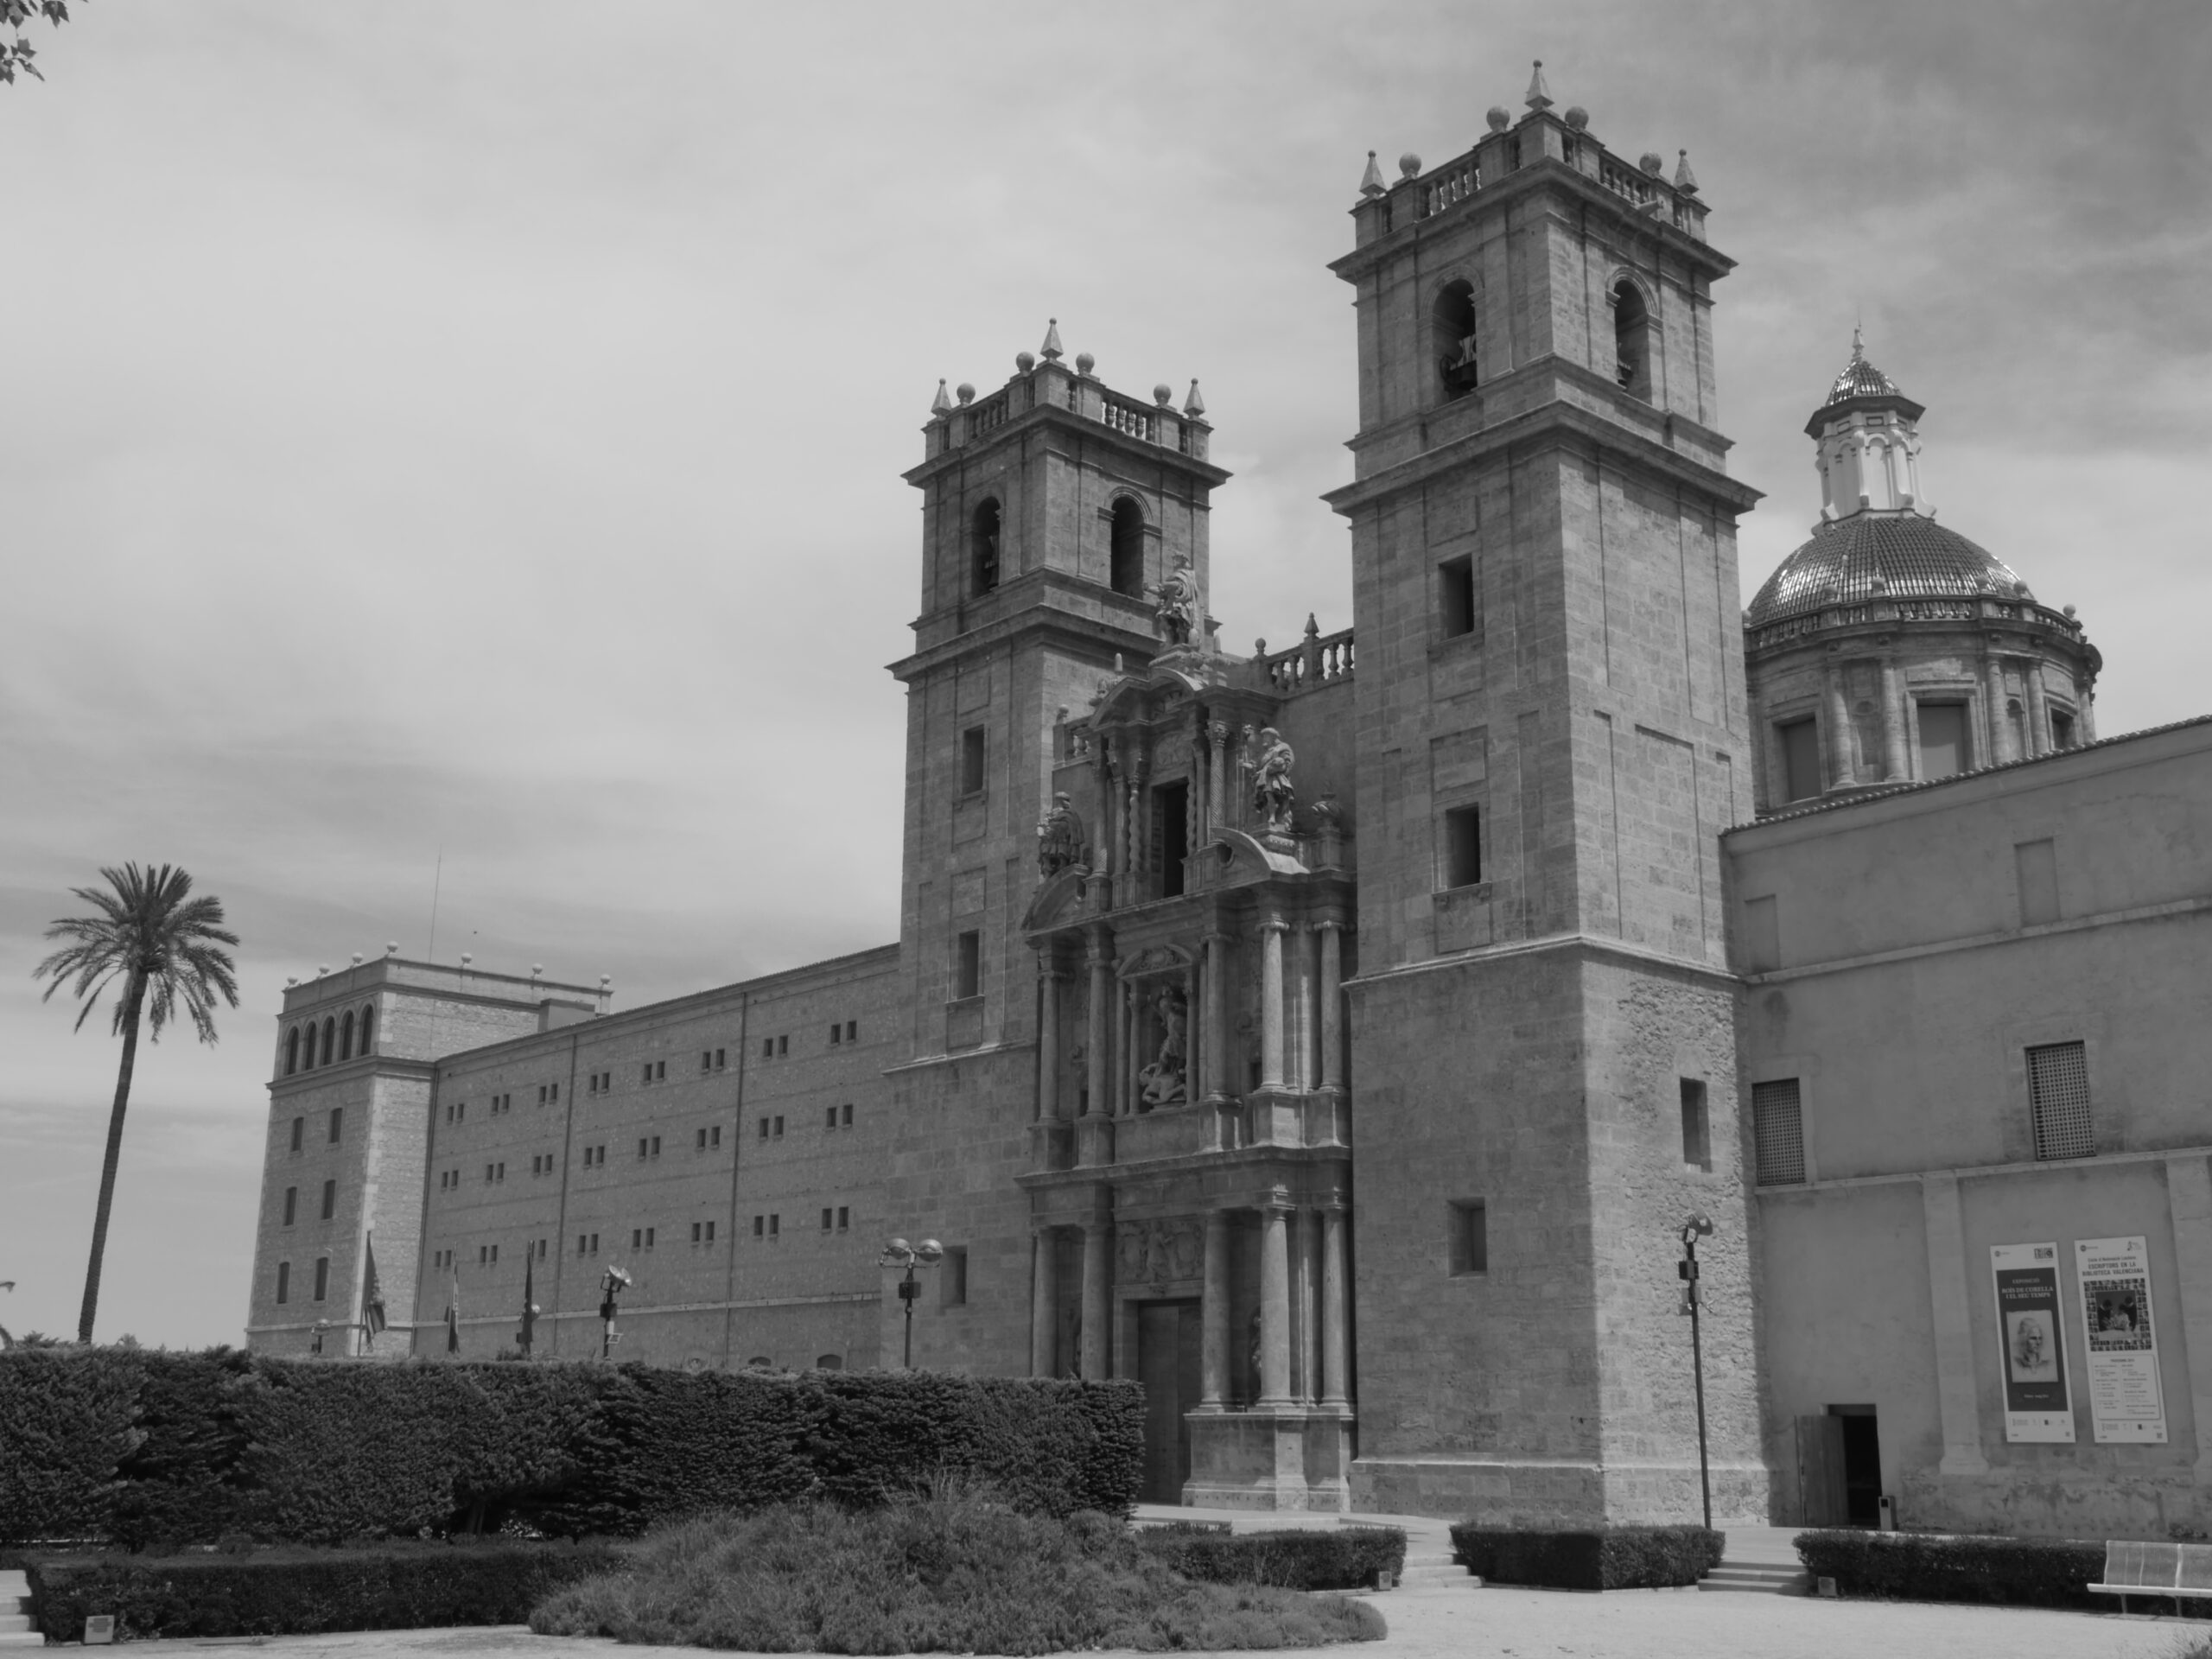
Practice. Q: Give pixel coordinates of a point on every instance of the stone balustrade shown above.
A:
(1050, 383)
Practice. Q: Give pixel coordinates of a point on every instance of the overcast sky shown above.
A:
(475, 431)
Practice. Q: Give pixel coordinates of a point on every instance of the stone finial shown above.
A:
(1499, 117)
(321, 968)
(1024, 361)
(466, 958)
(965, 391)
(1050, 351)
(606, 979)
(1371, 182)
(942, 404)
(391, 948)
(291, 980)
(2070, 612)
(1194, 405)
(1312, 628)
(1652, 162)
(1163, 394)
(1085, 362)
(1540, 96)
(1685, 181)
(1409, 166)
(1578, 117)
(356, 958)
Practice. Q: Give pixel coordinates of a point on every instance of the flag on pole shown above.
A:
(529, 1301)
(372, 1313)
(453, 1314)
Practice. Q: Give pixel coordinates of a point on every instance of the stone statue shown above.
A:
(1272, 796)
(1060, 838)
(1178, 602)
(1163, 1081)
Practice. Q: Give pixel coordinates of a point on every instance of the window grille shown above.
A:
(2058, 1090)
(1779, 1127)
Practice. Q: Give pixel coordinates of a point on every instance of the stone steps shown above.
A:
(16, 1628)
(1758, 1578)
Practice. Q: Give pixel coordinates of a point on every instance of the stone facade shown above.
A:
(1342, 1041)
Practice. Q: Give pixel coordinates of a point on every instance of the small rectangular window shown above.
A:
(767, 1048)
(967, 965)
(649, 1238)
(695, 1231)
(971, 761)
(844, 1217)
(1468, 1244)
(783, 1046)
(829, 1217)
(329, 1200)
(299, 1131)
(321, 1278)
(759, 1226)
(583, 1246)
(710, 1232)
(2062, 730)
(2058, 1094)
(779, 1127)
(715, 1135)
(699, 1143)
(837, 1033)
(637, 1238)
(848, 1114)
(852, 1031)
(656, 1145)
(1455, 596)
(1943, 739)
(832, 1121)
(705, 1059)
(1778, 1132)
(721, 1059)
(952, 1277)
(763, 1128)
(337, 1117)
(646, 1072)
(1801, 759)
(283, 1282)
(1462, 846)
(2037, 864)
(291, 1204)
(1697, 1139)
(775, 1225)
(660, 1071)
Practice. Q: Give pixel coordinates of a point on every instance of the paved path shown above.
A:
(1454, 1623)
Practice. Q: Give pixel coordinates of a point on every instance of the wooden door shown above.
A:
(1168, 1358)
(1823, 1495)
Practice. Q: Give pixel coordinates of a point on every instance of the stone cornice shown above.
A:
(1588, 944)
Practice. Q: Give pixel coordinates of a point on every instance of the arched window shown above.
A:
(345, 1037)
(1453, 317)
(1631, 341)
(983, 550)
(291, 1051)
(368, 1027)
(329, 1039)
(1126, 548)
(830, 1363)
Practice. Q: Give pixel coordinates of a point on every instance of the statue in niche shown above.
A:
(1060, 838)
(1163, 1081)
(1273, 795)
(1177, 611)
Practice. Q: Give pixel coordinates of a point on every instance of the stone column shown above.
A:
(1097, 1270)
(2085, 717)
(2000, 730)
(1274, 1304)
(1840, 773)
(1125, 1093)
(1894, 763)
(1193, 1033)
(1100, 1038)
(1043, 1304)
(2038, 711)
(1956, 1398)
(1048, 1037)
(1216, 1029)
(1271, 928)
(1306, 1380)
(1220, 812)
(1332, 1308)
(1332, 969)
(1104, 839)
(1213, 1316)
(1309, 1008)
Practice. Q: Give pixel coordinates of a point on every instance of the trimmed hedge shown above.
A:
(122, 1446)
(1344, 1558)
(294, 1592)
(1948, 1566)
(1608, 1558)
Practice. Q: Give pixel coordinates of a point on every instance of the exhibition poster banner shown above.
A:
(2126, 1403)
(2036, 1403)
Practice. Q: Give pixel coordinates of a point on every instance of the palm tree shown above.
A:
(158, 939)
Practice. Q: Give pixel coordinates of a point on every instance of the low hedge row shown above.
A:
(1608, 1558)
(1944, 1566)
(1344, 1558)
(296, 1592)
(123, 1446)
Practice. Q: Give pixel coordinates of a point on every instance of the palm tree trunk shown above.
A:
(134, 999)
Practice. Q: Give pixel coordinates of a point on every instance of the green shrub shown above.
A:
(291, 1593)
(183, 1479)
(1944, 1566)
(1344, 1558)
(1608, 1558)
(955, 1572)
(66, 1419)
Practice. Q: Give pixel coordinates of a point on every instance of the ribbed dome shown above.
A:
(1860, 379)
(1914, 557)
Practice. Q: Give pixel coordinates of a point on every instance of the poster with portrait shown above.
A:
(2037, 1406)
(2126, 1403)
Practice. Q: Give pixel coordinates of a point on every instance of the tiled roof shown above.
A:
(1884, 791)
(1860, 377)
(1911, 555)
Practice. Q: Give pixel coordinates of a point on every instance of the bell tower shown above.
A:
(1552, 733)
(1052, 509)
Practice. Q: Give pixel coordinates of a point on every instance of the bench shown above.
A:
(2181, 1571)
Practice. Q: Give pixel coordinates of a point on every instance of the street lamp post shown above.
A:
(899, 1254)
(1697, 1227)
(610, 1291)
